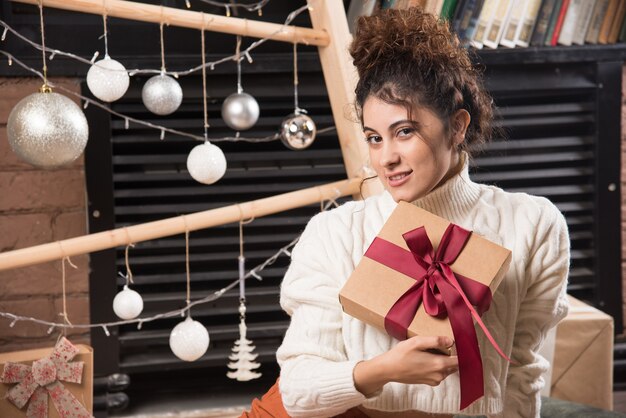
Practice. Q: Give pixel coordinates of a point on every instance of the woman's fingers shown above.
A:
(432, 343)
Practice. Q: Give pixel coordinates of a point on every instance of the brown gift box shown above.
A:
(83, 391)
(373, 288)
(582, 370)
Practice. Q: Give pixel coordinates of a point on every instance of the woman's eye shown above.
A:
(373, 139)
(405, 131)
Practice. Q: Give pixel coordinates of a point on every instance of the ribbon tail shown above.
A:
(402, 312)
(479, 321)
(38, 405)
(470, 362)
(65, 403)
(21, 393)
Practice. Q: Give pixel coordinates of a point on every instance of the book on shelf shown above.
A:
(466, 18)
(622, 33)
(528, 23)
(496, 26)
(599, 11)
(583, 22)
(387, 4)
(447, 10)
(513, 24)
(605, 29)
(569, 22)
(617, 22)
(484, 20)
(555, 31)
(543, 21)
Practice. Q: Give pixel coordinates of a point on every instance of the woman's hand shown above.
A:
(410, 361)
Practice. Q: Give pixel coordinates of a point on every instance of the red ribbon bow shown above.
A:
(34, 383)
(443, 292)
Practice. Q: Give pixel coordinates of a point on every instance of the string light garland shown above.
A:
(211, 65)
(255, 272)
(252, 7)
(132, 72)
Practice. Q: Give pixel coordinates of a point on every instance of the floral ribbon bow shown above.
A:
(43, 377)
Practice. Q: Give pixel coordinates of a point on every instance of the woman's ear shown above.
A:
(460, 120)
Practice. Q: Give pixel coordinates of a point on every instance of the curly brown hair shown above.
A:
(411, 58)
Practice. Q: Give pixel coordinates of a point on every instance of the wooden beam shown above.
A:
(176, 225)
(341, 79)
(190, 19)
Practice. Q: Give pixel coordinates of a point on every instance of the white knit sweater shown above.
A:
(322, 344)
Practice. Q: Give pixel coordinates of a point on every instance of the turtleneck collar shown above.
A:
(452, 200)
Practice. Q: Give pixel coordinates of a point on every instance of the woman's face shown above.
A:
(411, 156)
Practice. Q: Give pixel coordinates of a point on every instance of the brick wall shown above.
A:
(39, 206)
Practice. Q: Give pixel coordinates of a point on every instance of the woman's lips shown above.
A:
(399, 179)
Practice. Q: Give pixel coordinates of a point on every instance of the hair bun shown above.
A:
(391, 34)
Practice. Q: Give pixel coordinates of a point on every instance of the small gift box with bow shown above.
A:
(424, 276)
(47, 383)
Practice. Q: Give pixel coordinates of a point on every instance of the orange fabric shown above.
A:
(271, 406)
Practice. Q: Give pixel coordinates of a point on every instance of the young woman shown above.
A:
(423, 108)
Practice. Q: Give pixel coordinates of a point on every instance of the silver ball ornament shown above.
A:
(297, 131)
(206, 163)
(162, 94)
(240, 111)
(189, 340)
(127, 304)
(47, 130)
(107, 79)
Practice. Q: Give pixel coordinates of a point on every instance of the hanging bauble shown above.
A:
(47, 130)
(107, 79)
(206, 163)
(297, 131)
(162, 94)
(127, 304)
(240, 111)
(189, 340)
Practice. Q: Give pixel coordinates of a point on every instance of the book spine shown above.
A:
(569, 22)
(582, 25)
(622, 33)
(464, 19)
(617, 22)
(514, 23)
(447, 11)
(554, 16)
(543, 20)
(494, 33)
(603, 37)
(599, 11)
(485, 18)
(528, 23)
(559, 22)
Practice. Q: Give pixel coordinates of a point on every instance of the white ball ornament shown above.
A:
(297, 131)
(240, 111)
(127, 304)
(107, 79)
(162, 94)
(47, 130)
(189, 340)
(206, 163)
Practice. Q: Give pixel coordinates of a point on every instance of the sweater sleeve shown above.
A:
(316, 376)
(543, 306)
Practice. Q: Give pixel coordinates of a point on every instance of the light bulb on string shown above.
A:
(240, 110)
(47, 129)
(297, 130)
(206, 163)
(162, 95)
(189, 340)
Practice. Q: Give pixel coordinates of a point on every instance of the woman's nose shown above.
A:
(389, 155)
